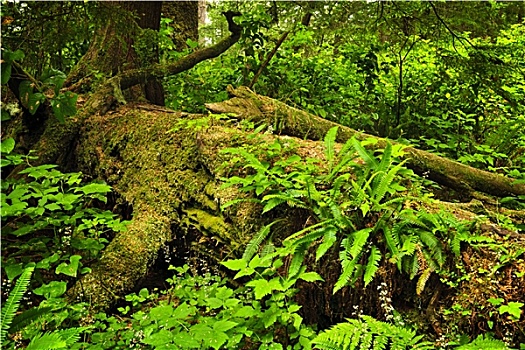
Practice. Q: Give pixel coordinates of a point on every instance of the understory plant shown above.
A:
(51, 231)
(358, 201)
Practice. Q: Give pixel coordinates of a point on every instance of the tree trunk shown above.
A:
(113, 49)
(185, 16)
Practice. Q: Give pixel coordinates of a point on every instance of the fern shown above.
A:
(348, 265)
(422, 281)
(329, 238)
(363, 153)
(253, 246)
(368, 333)
(47, 341)
(386, 158)
(329, 143)
(297, 260)
(10, 308)
(27, 317)
(379, 192)
(373, 265)
(60, 339)
(484, 342)
(359, 240)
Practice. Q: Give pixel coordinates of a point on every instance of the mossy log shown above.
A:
(291, 121)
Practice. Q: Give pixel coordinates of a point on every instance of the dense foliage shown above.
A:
(425, 74)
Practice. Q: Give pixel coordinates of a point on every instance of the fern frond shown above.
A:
(368, 333)
(71, 335)
(348, 265)
(392, 242)
(335, 191)
(386, 158)
(310, 238)
(28, 316)
(486, 342)
(329, 143)
(10, 307)
(379, 192)
(253, 246)
(47, 341)
(364, 154)
(422, 281)
(272, 202)
(297, 260)
(329, 238)
(359, 240)
(434, 246)
(373, 265)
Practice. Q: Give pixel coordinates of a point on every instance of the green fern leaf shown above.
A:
(486, 342)
(392, 242)
(348, 266)
(28, 316)
(422, 281)
(379, 193)
(373, 265)
(359, 240)
(71, 335)
(368, 333)
(329, 238)
(272, 201)
(329, 143)
(10, 307)
(253, 246)
(297, 260)
(364, 154)
(47, 341)
(386, 158)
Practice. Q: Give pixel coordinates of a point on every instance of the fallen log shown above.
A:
(246, 104)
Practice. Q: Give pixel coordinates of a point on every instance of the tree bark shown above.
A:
(291, 121)
(185, 16)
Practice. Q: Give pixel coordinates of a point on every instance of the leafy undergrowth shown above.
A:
(362, 215)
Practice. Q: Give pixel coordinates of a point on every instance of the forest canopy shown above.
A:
(263, 175)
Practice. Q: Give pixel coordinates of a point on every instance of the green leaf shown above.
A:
(245, 312)
(53, 77)
(513, 308)
(329, 143)
(160, 338)
(363, 153)
(182, 311)
(329, 238)
(236, 264)
(310, 277)
(224, 325)
(359, 240)
(161, 313)
(5, 72)
(64, 105)
(53, 289)
(373, 265)
(47, 341)
(7, 146)
(69, 269)
(34, 101)
(102, 188)
(10, 307)
(5, 116)
(25, 89)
